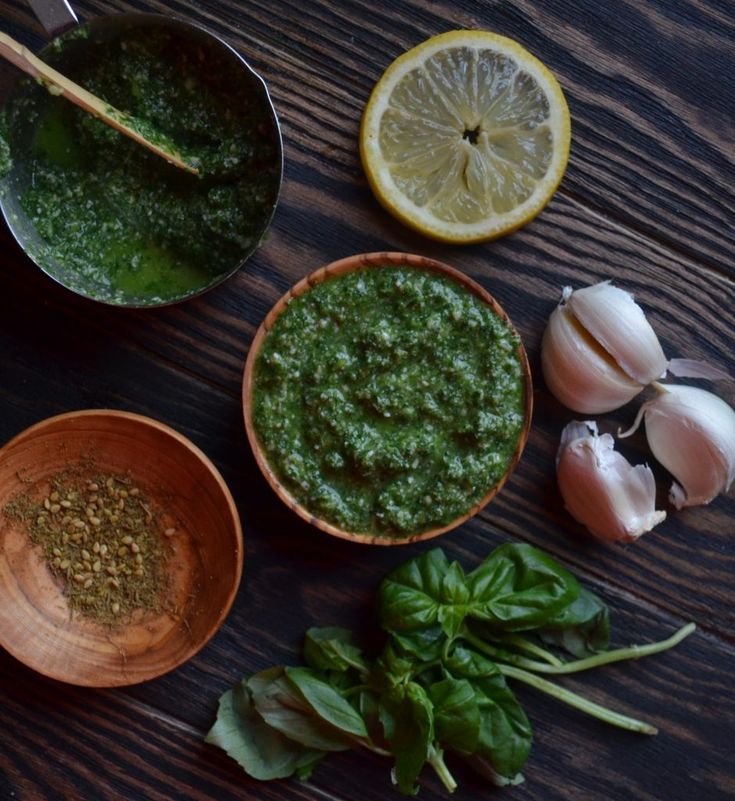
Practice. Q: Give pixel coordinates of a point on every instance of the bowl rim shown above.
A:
(376, 260)
(147, 422)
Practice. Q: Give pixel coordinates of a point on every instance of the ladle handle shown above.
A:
(58, 84)
(56, 16)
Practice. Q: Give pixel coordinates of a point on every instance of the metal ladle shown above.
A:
(57, 17)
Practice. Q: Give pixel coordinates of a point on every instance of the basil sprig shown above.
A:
(439, 684)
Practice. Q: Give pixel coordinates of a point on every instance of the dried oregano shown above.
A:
(101, 536)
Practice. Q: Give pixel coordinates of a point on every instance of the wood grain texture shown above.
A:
(108, 742)
(529, 505)
(647, 200)
(652, 110)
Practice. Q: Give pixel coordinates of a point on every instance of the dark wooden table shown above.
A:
(647, 200)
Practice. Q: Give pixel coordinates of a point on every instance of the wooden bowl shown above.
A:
(341, 267)
(204, 563)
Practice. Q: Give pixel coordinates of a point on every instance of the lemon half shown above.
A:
(465, 137)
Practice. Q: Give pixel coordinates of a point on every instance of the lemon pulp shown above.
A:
(466, 136)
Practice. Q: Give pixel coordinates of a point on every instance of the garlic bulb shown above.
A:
(692, 433)
(599, 350)
(601, 489)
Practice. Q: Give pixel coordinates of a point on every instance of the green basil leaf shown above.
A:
(424, 645)
(282, 706)
(367, 704)
(518, 588)
(408, 723)
(582, 628)
(456, 715)
(304, 771)
(391, 667)
(454, 597)
(408, 599)
(263, 752)
(327, 702)
(339, 679)
(332, 648)
(422, 593)
(505, 732)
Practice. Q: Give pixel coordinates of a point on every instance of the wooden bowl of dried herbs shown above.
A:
(120, 548)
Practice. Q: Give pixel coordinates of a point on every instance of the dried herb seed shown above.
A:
(124, 524)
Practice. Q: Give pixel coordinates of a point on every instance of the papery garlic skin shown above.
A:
(601, 489)
(578, 372)
(692, 433)
(618, 324)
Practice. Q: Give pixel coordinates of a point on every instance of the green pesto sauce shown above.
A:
(122, 224)
(6, 161)
(389, 401)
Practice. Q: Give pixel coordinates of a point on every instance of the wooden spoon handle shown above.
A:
(58, 84)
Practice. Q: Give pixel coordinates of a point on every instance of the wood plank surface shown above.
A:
(647, 200)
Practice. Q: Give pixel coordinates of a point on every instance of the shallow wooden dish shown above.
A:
(341, 267)
(205, 561)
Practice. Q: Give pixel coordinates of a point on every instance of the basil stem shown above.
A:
(502, 655)
(436, 760)
(577, 701)
(528, 647)
(620, 654)
(424, 667)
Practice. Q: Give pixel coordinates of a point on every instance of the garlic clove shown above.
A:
(578, 372)
(599, 350)
(692, 434)
(618, 324)
(601, 489)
